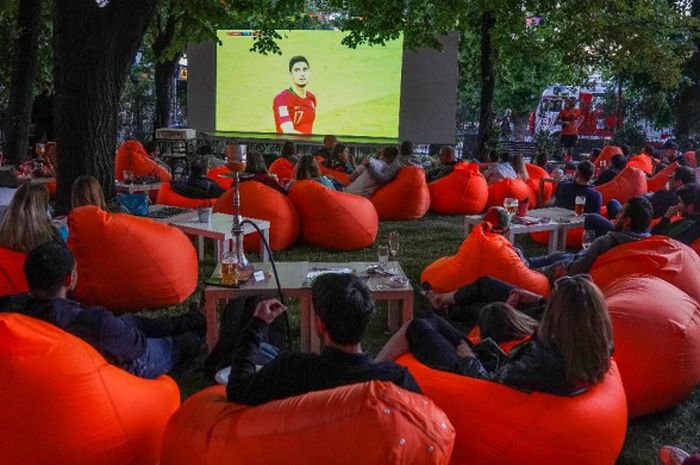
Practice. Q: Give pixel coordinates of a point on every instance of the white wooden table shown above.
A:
(133, 188)
(562, 220)
(293, 281)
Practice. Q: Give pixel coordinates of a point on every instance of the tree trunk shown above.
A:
(93, 49)
(23, 71)
(689, 98)
(164, 92)
(488, 21)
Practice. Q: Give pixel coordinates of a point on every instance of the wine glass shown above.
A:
(588, 237)
(393, 244)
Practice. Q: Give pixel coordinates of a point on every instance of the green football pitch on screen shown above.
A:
(356, 91)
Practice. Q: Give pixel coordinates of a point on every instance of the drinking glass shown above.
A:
(128, 176)
(511, 205)
(393, 244)
(588, 238)
(383, 256)
(580, 205)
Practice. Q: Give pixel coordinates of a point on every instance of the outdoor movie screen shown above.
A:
(316, 86)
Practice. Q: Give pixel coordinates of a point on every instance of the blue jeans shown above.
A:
(535, 263)
(160, 357)
(599, 223)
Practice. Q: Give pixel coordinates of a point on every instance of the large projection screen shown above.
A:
(372, 92)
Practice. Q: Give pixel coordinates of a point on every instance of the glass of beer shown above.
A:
(580, 205)
(511, 205)
(229, 274)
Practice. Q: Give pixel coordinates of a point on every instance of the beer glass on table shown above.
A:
(579, 205)
(511, 205)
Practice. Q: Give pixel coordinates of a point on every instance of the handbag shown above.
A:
(134, 204)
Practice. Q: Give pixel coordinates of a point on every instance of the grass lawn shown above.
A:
(434, 236)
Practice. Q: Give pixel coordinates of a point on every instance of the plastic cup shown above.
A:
(204, 214)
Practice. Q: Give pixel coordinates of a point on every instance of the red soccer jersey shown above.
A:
(288, 106)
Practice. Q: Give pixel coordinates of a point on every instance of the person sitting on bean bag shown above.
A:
(340, 159)
(664, 199)
(145, 347)
(617, 164)
(567, 191)
(344, 308)
(569, 353)
(670, 155)
(307, 168)
(256, 166)
(448, 160)
(329, 144)
(501, 170)
(686, 230)
(86, 190)
(407, 155)
(197, 185)
(26, 223)
(153, 151)
(375, 172)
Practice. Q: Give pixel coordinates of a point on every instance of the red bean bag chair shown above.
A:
(462, 192)
(658, 256)
(406, 197)
(658, 182)
(574, 238)
(369, 423)
(643, 162)
(167, 196)
(499, 425)
(340, 176)
(214, 175)
(127, 263)
(334, 220)
(514, 188)
(12, 280)
(283, 168)
(631, 182)
(696, 246)
(264, 203)
(691, 156)
(606, 154)
(657, 341)
(483, 253)
(536, 173)
(63, 404)
(132, 156)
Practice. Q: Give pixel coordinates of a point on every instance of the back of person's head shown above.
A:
(389, 153)
(86, 190)
(640, 212)
(288, 149)
(329, 141)
(505, 157)
(150, 147)
(594, 155)
(541, 159)
(577, 323)
(203, 150)
(684, 174)
(585, 170)
(26, 223)
(307, 168)
(690, 195)
(447, 153)
(337, 151)
(345, 306)
(626, 149)
(493, 156)
(255, 163)
(503, 323)
(47, 267)
(618, 162)
(199, 166)
(406, 148)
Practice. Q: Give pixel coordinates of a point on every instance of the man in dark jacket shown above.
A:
(666, 198)
(687, 229)
(197, 185)
(142, 346)
(344, 308)
(617, 163)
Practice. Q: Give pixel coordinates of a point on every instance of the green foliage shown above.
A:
(630, 134)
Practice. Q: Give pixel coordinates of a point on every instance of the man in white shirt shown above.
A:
(375, 172)
(501, 170)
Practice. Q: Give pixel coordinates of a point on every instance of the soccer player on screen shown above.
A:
(295, 108)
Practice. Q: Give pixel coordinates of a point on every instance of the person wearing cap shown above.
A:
(687, 229)
(669, 155)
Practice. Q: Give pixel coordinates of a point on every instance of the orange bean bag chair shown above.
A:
(283, 168)
(132, 156)
(642, 162)
(341, 176)
(462, 192)
(406, 197)
(483, 253)
(128, 263)
(264, 203)
(631, 182)
(167, 196)
(499, 425)
(536, 173)
(514, 188)
(369, 423)
(12, 280)
(334, 220)
(63, 404)
(224, 183)
(696, 246)
(658, 182)
(691, 156)
(606, 154)
(658, 256)
(657, 341)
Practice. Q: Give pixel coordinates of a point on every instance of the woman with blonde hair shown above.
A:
(87, 191)
(569, 351)
(26, 222)
(519, 167)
